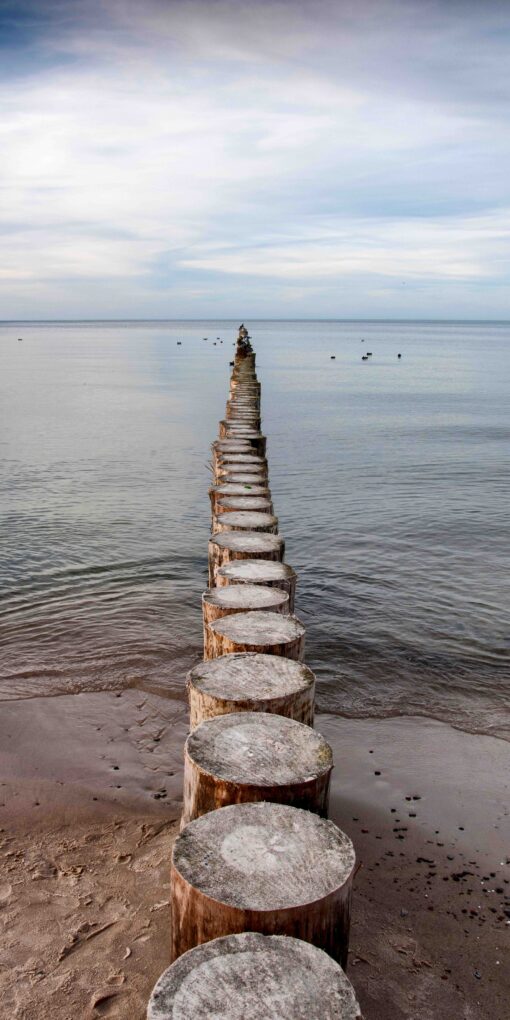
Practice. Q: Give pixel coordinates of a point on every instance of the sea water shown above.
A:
(389, 477)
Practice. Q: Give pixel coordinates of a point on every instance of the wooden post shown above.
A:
(236, 545)
(259, 572)
(251, 682)
(229, 471)
(270, 633)
(260, 503)
(235, 429)
(245, 520)
(238, 598)
(248, 976)
(252, 756)
(245, 478)
(262, 867)
(237, 489)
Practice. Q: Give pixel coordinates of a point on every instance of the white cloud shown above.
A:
(257, 141)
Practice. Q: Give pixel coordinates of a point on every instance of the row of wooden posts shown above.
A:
(260, 879)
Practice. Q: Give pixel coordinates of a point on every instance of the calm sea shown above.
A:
(389, 476)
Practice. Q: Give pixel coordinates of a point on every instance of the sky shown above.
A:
(255, 159)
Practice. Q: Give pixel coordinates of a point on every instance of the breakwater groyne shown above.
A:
(261, 880)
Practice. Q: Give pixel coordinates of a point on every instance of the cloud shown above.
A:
(157, 158)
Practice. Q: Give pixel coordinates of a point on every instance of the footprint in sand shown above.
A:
(5, 894)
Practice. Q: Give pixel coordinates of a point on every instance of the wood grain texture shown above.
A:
(220, 602)
(245, 520)
(251, 682)
(254, 977)
(262, 867)
(251, 571)
(240, 545)
(252, 756)
(270, 633)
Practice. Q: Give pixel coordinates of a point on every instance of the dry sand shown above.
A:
(89, 795)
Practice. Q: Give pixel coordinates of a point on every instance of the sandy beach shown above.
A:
(90, 802)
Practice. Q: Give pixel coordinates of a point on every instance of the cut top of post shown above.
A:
(243, 675)
(254, 977)
(246, 596)
(257, 571)
(258, 749)
(264, 856)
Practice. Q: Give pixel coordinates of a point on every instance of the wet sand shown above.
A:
(89, 806)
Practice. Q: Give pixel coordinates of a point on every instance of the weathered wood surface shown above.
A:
(270, 633)
(241, 545)
(245, 478)
(252, 756)
(254, 977)
(223, 447)
(227, 468)
(251, 571)
(239, 429)
(250, 459)
(245, 520)
(251, 682)
(262, 867)
(237, 489)
(238, 598)
(260, 503)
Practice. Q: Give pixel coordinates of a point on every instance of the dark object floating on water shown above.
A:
(179, 343)
(364, 357)
(231, 363)
(369, 354)
(20, 338)
(399, 355)
(204, 338)
(214, 343)
(333, 357)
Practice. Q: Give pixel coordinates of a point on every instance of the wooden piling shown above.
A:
(236, 545)
(251, 571)
(238, 598)
(245, 520)
(252, 503)
(262, 867)
(255, 631)
(237, 489)
(249, 977)
(252, 756)
(251, 682)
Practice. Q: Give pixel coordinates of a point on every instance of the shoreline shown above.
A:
(90, 802)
